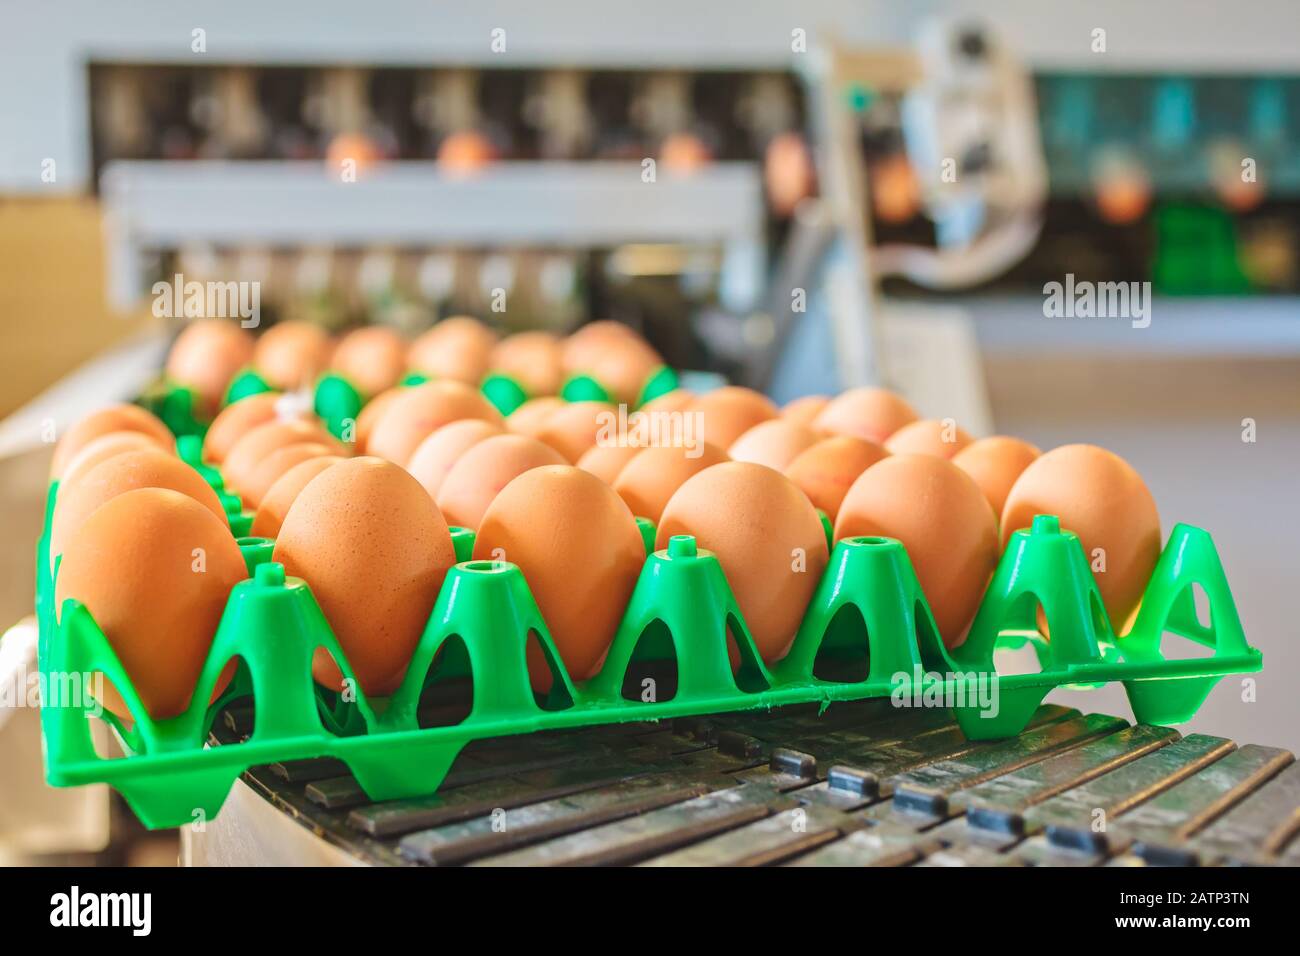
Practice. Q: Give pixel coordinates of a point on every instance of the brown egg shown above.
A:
(1099, 497)
(606, 461)
(943, 520)
(774, 443)
(436, 455)
(418, 412)
(573, 430)
(292, 355)
(115, 418)
(369, 417)
(280, 497)
(767, 537)
(248, 453)
(275, 464)
(827, 469)
(623, 368)
(684, 153)
(206, 356)
(803, 411)
(651, 478)
(941, 438)
(533, 359)
(159, 605)
(458, 348)
(995, 464)
(235, 421)
(788, 172)
(870, 413)
(581, 552)
(371, 358)
(146, 468)
(731, 411)
(374, 549)
(465, 152)
(484, 470)
(588, 343)
(530, 417)
(678, 400)
(102, 448)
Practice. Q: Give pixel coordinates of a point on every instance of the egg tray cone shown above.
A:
(868, 621)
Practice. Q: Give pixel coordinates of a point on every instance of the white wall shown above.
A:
(44, 46)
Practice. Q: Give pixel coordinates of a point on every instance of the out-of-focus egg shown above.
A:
(280, 497)
(995, 463)
(248, 453)
(774, 443)
(650, 479)
(580, 551)
(827, 469)
(1102, 499)
(803, 411)
(941, 438)
(115, 418)
(684, 153)
(418, 412)
(606, 461)
(291, 355)
(533, 359)
(870, 413)
(436, 455)
(133, 565)
(573, 429)
(731, 411)
(587, 344)
(374, 549)
(356, 148)
(458, 348)
(278, 462)
(944, 522)
(465, 152)
(146, 468)
(484, 470)
(371, 358)
(530, 417)
(236, 420)
(102, 448)
(206, 356)
(767, 537)
(787, 172)
(623, 368)
(369, 417)
(678, 400)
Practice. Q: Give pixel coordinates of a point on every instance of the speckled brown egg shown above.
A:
(1102, 499)
(870, 413)
(580, 551)
(205, 357)
(774, 443)
(827, 469)
(650, 479)
(436, 455)
(731, 411)
(942, 438)
(372, 358)
(944, 522)
(249, 452)
(114, 418)
(374, 549)
(154, 568)
(457, 348)
(483, 470)
(418, 412)
(995, 463)
(767, 537)
(292, 354)
(280, 497)
(533, 359)
(144, 468)
(574, 429)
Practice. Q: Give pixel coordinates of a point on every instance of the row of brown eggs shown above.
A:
(290, 355)
(549, 491)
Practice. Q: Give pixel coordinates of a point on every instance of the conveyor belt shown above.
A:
(862, 784)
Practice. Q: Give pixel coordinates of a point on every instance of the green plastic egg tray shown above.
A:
(868, 624)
